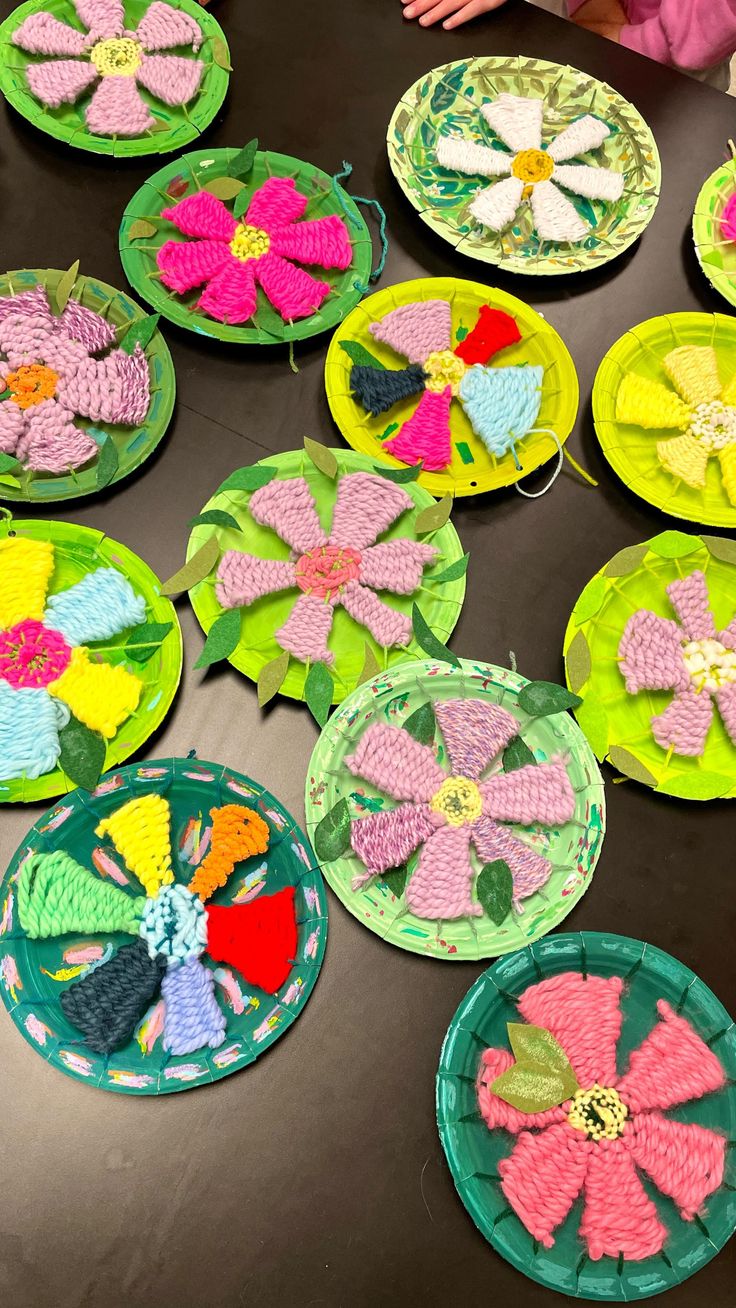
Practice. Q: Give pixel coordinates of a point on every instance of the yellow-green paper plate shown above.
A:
(716, 254)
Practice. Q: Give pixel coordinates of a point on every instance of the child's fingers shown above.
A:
(430, 11)
(471, 10)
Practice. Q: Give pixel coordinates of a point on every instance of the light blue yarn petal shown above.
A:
(29, 732)
(98, 607)
(502, 404)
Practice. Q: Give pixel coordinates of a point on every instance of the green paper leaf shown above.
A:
(541, 698)
(65, 287)
(6, 394)
(593, 722)
(144, 640)
(140, 333)
(590, 600)
(215, 518)
(271, 677)
(626, 561)
(517, 754)
(453, 572)
(399, 474)
(696, 785)
(7, 480)
(395, 880)
(578, 661)
(242, 164)
(268, 320)
(322, 458)
(248, 479)
(421, 724)
(630, 765)
(140, 229)
(107, 463)
(495, 890)
(434, 516)
(370, 667)
(241, 203)
(82, 755)
(427, 640)
(535, 1046)
(674, 544)
(360, 355)
(318, 691)
(224, 188)
(195, 570)
(8, 463)
(720, 548)
(220, 54)
(530, 1089)
(222, 639)
(332, 833)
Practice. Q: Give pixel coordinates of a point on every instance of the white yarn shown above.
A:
(470, 157)
(555, 217)
(585, 134)
(594, 183)
(496, 206)
(516, 119)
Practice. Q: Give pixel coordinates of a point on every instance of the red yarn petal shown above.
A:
(618, 1215)
(672, 1066)
(494, 331)
(684, 1160)
(259, 939)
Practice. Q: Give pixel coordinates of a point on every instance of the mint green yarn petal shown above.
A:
(502, 404)
(29, 731)
(98, 607)
(56, 895)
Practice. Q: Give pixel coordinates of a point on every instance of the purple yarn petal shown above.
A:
(474, 732)
(193, 1017)
(689, 599)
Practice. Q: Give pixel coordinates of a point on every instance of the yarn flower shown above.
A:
(347, 567)
(49, 375)
(47, 672)
(532, 170)
(703, 409)
(231, 255)
(118, 61)
(172, 924)
(689, 657)
(612, 1126)
(728, 218)
(502, 404)
(446, 812)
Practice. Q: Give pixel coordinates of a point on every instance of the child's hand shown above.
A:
(454, 12)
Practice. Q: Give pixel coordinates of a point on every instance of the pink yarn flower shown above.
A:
(728, 218)
(689, 657)
(594, 1143)
(231, 255)
(346, 567)
(48, 375)
(445, 812)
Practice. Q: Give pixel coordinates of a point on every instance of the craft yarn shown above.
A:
(141, 832)
(29, 732)
(237, 833)
(194, 1018)
(98, 607)
(101, 695)
(258, 939)
(107, 1004)
(378, 389)
(502, 404)
(57, 895)
(693, 369)
(25, 570)
(173, 924)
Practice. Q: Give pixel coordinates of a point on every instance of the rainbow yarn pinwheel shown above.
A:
(532, 170)
(704, 410)
(117, 60)
(173, 926)
(502, 404)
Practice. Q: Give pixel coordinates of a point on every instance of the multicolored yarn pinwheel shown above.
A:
(117, 60)
(502, 404)
(171, 924)
(532, 169)
(49, 375)
(689, 657)
(582, 1127)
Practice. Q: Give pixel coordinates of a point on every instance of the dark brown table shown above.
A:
(316, 1176)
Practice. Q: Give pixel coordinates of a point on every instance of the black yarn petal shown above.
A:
(378, 389)
(108, 1003)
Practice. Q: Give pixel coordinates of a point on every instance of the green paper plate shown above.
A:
(178, 126)
(194, 172)
(631, 451)
(451, 96)
(716, 255)
(79, 550)
(440, 602)
(31, 992)
(473, 468)
(573, 849)
(473, 1152)
(133, 444)
(616, 723)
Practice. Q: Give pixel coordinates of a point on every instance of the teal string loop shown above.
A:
(342, 176)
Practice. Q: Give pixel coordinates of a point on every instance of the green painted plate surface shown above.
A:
(449, 97)
(573, 849)
(617, 724)
(179, 126)
(473, 1152)
(142, 1067)
(79, 550)
(716, 255)
(133, 444)
(194, 172)
(440, 602)
(473, 468)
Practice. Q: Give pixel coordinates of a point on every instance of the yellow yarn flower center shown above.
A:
(600, 1112)
(709, 663)
(458, 800)
(443, 368)
(117, 56)
(32, 383)
(714, 424)
(249, 242)
(532, 166)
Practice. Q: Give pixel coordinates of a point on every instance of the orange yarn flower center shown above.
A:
(532, 166)
(600, 1112)
(118, 56)
(32, 383)
(249, 242)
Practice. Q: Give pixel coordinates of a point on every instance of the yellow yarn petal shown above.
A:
(693, 370)
(686, 458)
(727, 457)
(100, 695)
(646, 403)
(729, 392)
(25, 569)
(141, 832)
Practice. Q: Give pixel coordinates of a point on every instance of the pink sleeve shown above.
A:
(693, 34)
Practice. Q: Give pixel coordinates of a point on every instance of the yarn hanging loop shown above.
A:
(535, 495)
(342, 176)
(6, 516)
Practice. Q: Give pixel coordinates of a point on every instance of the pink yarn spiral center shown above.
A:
(32, 654)
(325, 570)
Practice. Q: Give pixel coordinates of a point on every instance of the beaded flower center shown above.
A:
(709, 663)
(32, 383)
(118, 56)
(32, 655)
(443, 369)
(174, 924)
(249, 242)
(458, 800)
(714, 424)
(532, 166)
(325, 570)
(600, 1112)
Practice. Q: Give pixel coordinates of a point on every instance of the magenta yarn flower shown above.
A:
(689, 657)
(48, 375)
(728, 218)
(346, 567)
(231, 255)
(120, 61)
(595, 1142)
(445, 812)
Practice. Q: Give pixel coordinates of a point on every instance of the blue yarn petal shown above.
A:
(502, 404)
(378, 389)
(29, 732)
(193, 1017)
(98, 607)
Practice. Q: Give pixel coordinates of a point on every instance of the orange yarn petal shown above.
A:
(237, 833)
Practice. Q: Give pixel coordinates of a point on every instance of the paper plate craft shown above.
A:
(714, 230)
(90, 657)
(487, 393)
(651, 650)
(288, 563)
(87, 385)
(121, 78)
(246, 245)
(162, 932)
(455, 808)
(664, 405)
(524, 163)
(585, 1102)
